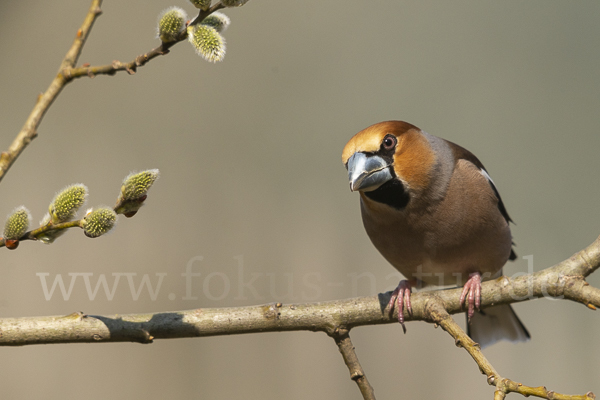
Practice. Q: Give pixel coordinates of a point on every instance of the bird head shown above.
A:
(388, 155)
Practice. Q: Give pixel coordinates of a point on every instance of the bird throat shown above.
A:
(392, 193)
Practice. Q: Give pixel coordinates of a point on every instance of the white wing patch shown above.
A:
(487, 176)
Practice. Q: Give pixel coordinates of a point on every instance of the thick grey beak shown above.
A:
(367, 173)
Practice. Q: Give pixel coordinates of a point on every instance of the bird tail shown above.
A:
(496, 323)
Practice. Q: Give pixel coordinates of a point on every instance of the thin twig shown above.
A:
(35, 234)
(49, 227)
(342, 339)
(503, 385)
(29, 130)
(131, 67)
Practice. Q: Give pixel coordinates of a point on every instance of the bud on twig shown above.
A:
(65, 204)
(233, 3)
(201, 4)
(171, 23)
(217, 20)
(98, 222)
(16, 226)
(134, 191)
(207, 41)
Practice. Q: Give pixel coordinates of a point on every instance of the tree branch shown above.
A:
(560, 281)
(503, 385)
(564, 280)
(29, 130)
(342, 339)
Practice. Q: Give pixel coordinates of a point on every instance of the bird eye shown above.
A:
(389, 142)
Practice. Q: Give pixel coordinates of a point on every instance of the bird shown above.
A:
(432, 210)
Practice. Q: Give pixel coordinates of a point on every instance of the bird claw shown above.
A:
(471, 294)
(400, 298)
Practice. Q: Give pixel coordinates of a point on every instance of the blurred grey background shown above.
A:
(251, 180)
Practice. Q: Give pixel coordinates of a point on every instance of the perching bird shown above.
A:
(432, 211)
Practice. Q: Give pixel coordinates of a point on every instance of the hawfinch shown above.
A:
(434, 213)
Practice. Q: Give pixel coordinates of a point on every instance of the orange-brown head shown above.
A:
(389, 157)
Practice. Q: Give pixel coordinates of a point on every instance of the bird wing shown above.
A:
(460, 153)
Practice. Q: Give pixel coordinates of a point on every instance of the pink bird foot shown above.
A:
(472, 288)
(400, 298)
